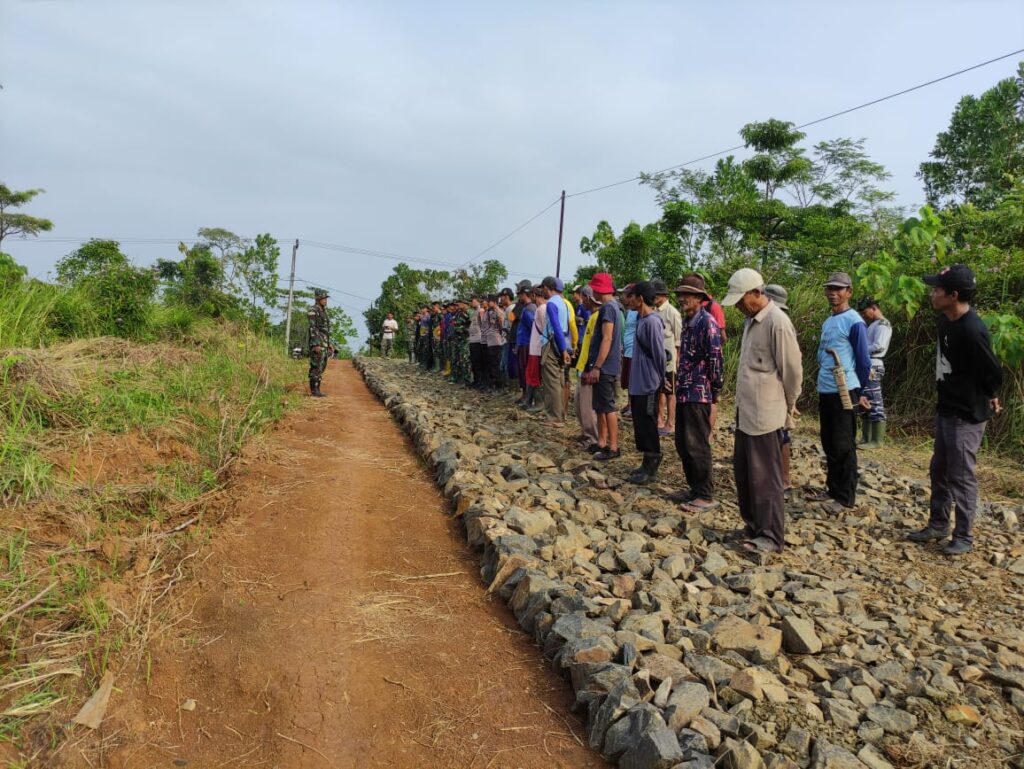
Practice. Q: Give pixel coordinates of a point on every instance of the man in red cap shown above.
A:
(603, 365)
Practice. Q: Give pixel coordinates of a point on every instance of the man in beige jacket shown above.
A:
(768, 383)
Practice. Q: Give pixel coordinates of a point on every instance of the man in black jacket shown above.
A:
(968, 376)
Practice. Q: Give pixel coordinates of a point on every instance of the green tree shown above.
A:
(196, 282)
(776, 163)
(11, 223)
(638, 253)
(403, 292)
(11, 272)
(977, 158)
(90, 259)
(120, 294)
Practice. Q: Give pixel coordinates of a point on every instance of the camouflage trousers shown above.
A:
(435, 350)
(317, 364)
(462, 371)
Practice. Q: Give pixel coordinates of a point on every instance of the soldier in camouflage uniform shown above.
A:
(318, 341)
(462, 372)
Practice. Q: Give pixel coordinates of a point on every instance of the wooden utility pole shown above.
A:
(291, 294)
(561, 224)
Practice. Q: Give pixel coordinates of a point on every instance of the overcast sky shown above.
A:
(432, 129)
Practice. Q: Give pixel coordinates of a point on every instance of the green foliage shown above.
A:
(977, 158)
(1007, 338)
(14, 224)
(10, 271)
(90, 260)
(119, 293)
(195, 282)
(407, 289)
(248, 269)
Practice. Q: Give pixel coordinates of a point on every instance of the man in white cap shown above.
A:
(768, 381)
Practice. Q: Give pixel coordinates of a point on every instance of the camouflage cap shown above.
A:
(319, 293)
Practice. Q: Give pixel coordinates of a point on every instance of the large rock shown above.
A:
(755, 642)
(687, 700)
(825, 755)
(662, 667)
(799, 637)
(604, 713)
(529, 522)
(734, 754)
(893, 720)
(628, 730)
(658, 748)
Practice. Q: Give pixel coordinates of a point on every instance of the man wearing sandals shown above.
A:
(698, 384)
(768, 383)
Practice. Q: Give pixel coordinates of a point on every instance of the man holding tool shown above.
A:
(844, 363)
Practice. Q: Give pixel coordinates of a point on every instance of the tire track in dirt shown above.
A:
(317, 638)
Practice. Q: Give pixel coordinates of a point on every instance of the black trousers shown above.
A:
(478, 362)
(693, 444)
(757, 467)
(493, 353)
(644, 409)
(839, 442)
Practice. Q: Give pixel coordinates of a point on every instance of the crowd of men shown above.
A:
(632, 354)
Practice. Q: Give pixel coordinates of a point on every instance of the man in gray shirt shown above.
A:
(768, 381)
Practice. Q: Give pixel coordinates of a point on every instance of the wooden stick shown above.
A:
(35, 599)
(297, 742)
(427, 576)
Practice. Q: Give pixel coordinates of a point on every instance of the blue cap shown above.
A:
(559, 285)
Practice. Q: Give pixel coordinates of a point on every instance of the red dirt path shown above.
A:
(313, 641)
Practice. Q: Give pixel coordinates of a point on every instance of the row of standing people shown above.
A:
(669, 363)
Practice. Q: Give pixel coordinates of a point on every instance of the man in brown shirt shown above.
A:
(768, 383)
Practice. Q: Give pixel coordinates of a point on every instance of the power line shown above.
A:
(501, 240)
(809, 123)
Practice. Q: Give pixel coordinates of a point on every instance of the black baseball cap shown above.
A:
(956, 277)
(646, 290)
(660, 288)
(507, 292)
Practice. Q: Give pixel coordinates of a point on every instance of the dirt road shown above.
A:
(339, 622)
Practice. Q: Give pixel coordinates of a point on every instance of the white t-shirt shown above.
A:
(540, 321)
(390, 327)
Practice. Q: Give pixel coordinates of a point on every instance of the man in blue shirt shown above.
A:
(843, 334)
(556, 354)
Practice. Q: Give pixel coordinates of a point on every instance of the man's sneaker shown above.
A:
(957, 547)
(927, 534)
(605, 454)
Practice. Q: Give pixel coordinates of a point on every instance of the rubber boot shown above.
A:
(314, 390)
(654, 463)
(865, 431)
(877, 436)
(647, 471)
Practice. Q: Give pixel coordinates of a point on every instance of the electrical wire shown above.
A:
(809, 123)
(502, 239)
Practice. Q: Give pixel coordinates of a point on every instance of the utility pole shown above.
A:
(291, 294)
(561, 223)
